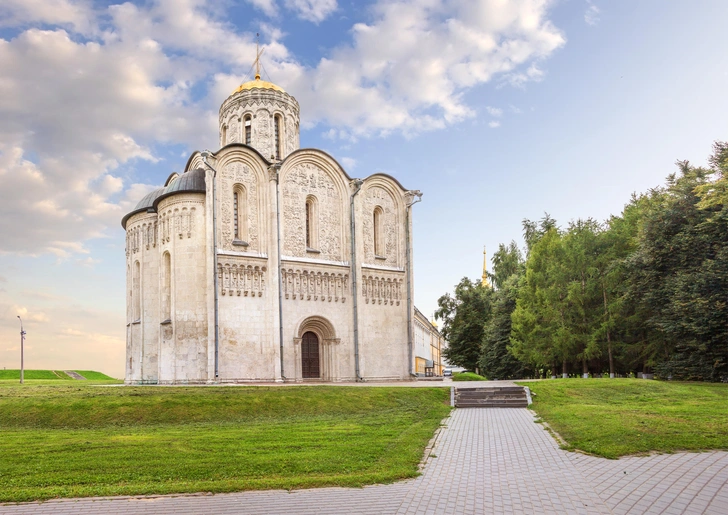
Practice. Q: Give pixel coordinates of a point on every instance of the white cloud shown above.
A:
(89, 262)
(75, 15)
(349, 163)
(519, 79)
(494, 111)
(591, 15)
(267, 6)
(81, 109)
(408, 69)
(312, 10)
(494, 124)
(74, 110)
(30, 316)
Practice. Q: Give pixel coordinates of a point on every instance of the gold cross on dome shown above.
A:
(258, 53)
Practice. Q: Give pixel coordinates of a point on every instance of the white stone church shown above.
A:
(311, 274)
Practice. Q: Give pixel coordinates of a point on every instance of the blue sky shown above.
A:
(496, 110)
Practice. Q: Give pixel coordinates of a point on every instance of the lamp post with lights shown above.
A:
(22, 341)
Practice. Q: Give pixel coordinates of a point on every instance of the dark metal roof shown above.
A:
(194, 180)
(148, 200)
(189, 182)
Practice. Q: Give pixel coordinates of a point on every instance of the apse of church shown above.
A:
(310, 278)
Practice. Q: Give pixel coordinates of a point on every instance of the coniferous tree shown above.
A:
(496, 361)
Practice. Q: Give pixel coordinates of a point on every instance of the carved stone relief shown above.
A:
(290, 136)
(300, 182)
(232, 174)
(149, 231)
(176, 220)
(373, 197)
(310, 284)
(240, 278)
(233, 131)
(384, 289)
(262, 137)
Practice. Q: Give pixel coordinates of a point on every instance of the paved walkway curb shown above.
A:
(486, 461)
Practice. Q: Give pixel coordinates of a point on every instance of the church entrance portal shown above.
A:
(310, 360)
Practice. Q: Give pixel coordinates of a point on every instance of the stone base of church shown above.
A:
(243, 381)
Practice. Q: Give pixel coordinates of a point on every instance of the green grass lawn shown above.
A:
(78, 440)
(617, 417)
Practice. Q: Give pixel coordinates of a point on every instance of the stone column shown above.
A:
(274, 270)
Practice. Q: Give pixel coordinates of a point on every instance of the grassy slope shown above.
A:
(92, 375)
(617, 417)
(81, 441)
(35, 374)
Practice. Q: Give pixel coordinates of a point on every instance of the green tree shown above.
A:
(679, 273)
(496, 361)
(463, 317)
(540, 335)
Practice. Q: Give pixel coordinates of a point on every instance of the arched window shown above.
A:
(240, 216)
(378, 236)
(166, 287)
(223, 136)
(311, 224)
(277, 124)
(248, 128)
(136, 296)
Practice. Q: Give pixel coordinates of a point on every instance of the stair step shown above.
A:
(521, 405)
(468, 395)
(506, 390)
(491, 397)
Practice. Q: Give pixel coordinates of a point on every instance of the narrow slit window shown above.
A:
(311, 224)
(224, 136)
(236, 221)
(167, 288)
(240, 215)
(248, 129)
(278, 136)
(136, 292)
(377, 232)
(308, 223)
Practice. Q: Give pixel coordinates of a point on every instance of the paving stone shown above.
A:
(488, 461)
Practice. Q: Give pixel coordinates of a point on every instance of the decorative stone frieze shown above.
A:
(315, 285)
(241, 278)
(378, 288)
(177, 219)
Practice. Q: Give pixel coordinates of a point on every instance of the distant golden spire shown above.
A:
(484, 281)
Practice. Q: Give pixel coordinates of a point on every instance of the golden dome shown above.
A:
(257, 83)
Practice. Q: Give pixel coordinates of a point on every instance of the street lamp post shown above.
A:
(22, 341)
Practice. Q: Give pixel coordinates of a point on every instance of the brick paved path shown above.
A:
(487, 461)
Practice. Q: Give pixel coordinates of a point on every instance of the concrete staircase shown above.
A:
(491, 397)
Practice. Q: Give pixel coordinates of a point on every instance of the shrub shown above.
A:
(468, 376)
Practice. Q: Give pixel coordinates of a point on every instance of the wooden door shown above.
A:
(310, 362)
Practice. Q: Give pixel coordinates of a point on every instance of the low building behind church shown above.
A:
(311, 279)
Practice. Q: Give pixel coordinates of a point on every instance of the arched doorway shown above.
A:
(315, 350)
(310, 356)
